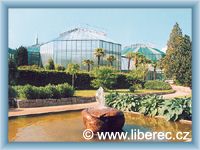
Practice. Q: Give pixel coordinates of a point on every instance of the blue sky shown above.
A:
(126, 26)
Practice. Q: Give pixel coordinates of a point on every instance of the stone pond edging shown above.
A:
(53, 102)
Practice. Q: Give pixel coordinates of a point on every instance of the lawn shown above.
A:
(90, 93)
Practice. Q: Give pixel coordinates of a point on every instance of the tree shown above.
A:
(173, 43)
(136, 57)
(154, 65)
(50, 64)
(12, 71)
(73, 69)
(178, 59)
(183, 66)
(161, 64)
(105, 76)
(22, 56)
(88, 63)
(138, 74)
(99, 52)
(129, 56)
(110, 59)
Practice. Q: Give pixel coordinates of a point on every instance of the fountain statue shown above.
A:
(102, 118)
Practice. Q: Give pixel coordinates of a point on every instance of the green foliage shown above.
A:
(135, 87)
(59, 67)
(178, 59)
(122, 81)
(73, 69)
(132, 88)
(65, 90)
(174, 109)
(110, 59)
(99, 52)
(129, 56)
(41, 77)
(104, 77)
(157, 85)
(150, 105)
(49, 91)
(12, 71)
(22, 56)
(30, 67)
(12, 93)
(183, 71)
(177, 108)
(50, 64)
(88, 63)
(124, 102)
(138, 74)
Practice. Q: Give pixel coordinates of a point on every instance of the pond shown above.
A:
(68, 127)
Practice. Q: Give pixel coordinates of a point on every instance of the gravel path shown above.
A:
(180, 91)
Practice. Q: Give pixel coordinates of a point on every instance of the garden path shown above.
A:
(181, 91)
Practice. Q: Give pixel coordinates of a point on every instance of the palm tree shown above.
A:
(143, 62)
(129, 56)
(99, 52)
(154, 65)
(161, 65)
(73, 69)
(88, 62)
(110, 59)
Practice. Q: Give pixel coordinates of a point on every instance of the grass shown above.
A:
(91, 93)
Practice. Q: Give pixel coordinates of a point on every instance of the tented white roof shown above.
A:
(84, 34)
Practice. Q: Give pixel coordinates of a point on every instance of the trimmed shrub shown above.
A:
(41, 77)
(157, 85)
(27, 92)
(65, 90)
(52, 91)
(49, 91)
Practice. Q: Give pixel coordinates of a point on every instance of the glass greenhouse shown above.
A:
(34, 54)
(148, 51)
(79, 44)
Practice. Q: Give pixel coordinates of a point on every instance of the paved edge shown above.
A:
(16, 112)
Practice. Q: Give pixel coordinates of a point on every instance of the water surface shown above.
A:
(68, 127)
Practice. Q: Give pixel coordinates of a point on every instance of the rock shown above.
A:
(103, 119)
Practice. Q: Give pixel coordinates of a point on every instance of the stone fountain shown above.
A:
(102, 118)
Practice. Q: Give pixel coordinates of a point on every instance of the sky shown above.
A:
(125, 26)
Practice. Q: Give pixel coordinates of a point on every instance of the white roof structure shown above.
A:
(84, 34)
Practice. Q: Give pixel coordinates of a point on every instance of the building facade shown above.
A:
(148, 51)
(79, 44)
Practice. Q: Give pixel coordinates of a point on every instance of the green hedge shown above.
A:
(157, 85)
(48, 91)
(45, 77)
